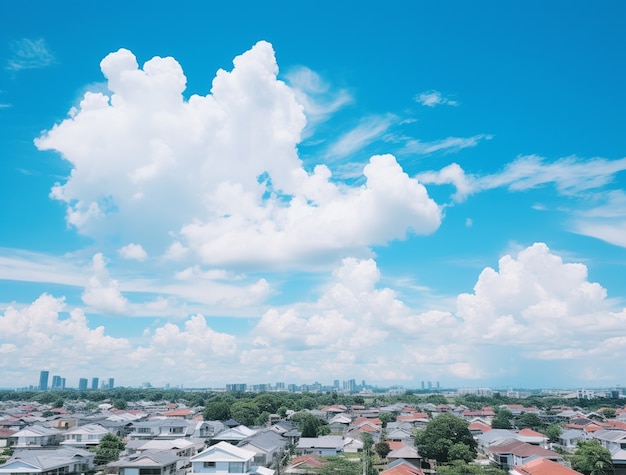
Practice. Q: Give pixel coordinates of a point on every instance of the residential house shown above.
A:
(400, 435)
(162, 462)
(5, 435)
(324, 445)
(569, 439)
(304, 465)
(401, 467)
(85, 436)
(352, 446)
(406, 452)
(543, 466)
(162, 428)
(36, 436)
(267, 446)
(59, 461)
(223, 458)
(514, 453)
(339, 423)
(233, 436)
(418, 420)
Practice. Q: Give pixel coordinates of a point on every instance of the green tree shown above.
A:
(590, 458)
(216, 411)
(458, 467)
(386, 418)
(441, 434)
(120, 404)
(502, 420)
(553, 431)
(339, 465)
(308, 424)
(245, 412)
(108, 449)
(382, 449)
(58, 402)
(460, 451)
(529, 420)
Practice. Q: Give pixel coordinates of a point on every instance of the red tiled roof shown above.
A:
(402, 469)
(308, 461)
(371, 420)
(544, 467)
(616, 424)
(479, 426)
(531, 433)
(415, 416)
(177, 413)
(395, 444)
(522, 449)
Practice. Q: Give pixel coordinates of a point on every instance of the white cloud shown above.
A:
(533, 308)
(323, 220)
(220, 174)
(45, 335)
(315, 95)
(133, 251)
(434, 98)
(103, 293)
(605, 221)
(570, 176)
(30, 54)
(365, 133)
(448, 145)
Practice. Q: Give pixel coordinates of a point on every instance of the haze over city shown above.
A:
(310, 191)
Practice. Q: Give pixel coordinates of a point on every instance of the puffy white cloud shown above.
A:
(103, 293)
(47, 334)
(133, 251)
(533, 307)
(324, 220)
(220, 174)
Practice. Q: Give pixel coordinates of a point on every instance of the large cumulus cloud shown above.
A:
(220, 174)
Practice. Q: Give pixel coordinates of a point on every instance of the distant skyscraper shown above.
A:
(111, 383)
(82, 383)
(43, 380)
(94, 383)
(56, 382)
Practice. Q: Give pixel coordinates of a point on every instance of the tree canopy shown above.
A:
(442, 438)
(108, 449)
(590, 458)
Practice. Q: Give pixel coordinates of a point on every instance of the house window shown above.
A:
(209, 464)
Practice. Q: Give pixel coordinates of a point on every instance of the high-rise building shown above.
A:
(111, 383)
(82, 383)
(94, 383)
(56, 383)
(43, 380)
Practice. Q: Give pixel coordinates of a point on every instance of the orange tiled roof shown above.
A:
(177, 413)
(544, 467)
(308, 461)
(402, 469)
(531, 433)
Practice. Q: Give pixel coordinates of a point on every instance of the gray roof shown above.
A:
(267, 441)
(159, 458)
(324, 442)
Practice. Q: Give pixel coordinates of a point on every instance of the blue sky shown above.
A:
(308, 191)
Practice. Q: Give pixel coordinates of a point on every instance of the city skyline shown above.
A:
(212, 193)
